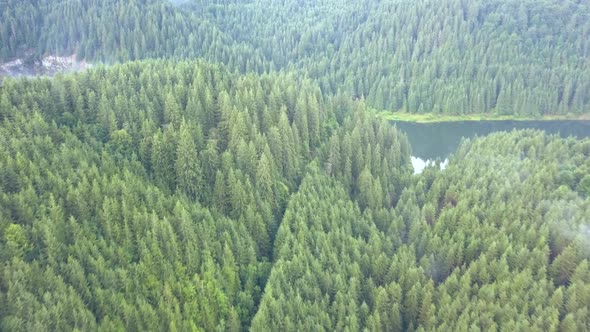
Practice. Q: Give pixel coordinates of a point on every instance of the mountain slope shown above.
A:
(158, 195)
(524, 58)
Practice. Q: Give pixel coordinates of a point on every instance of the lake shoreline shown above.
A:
(440, 140)
(436, 118)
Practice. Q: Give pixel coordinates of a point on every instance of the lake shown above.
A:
(431, 141)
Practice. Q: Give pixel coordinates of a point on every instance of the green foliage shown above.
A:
(182, 195)
(498, 57)
(478, 246)
(155, 220)
(112, 224)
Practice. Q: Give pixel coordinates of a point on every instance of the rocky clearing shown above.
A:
(47, 66)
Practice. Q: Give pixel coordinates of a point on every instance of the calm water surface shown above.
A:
(431, 141)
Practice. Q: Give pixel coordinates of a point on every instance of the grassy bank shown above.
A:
(431, 117)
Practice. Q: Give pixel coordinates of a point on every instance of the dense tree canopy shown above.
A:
(158, 195)
(525, 58)
(234, 175)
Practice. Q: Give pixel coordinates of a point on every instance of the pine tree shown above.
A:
(564, 265)
(188, 168)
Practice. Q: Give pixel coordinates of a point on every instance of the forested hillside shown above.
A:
(488, 244)
(506, 57)
(178, 196)
(144, 182)
(221, 166)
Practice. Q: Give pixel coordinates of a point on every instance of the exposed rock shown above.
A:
(46, 66)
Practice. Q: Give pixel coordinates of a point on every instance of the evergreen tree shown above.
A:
(188, 168)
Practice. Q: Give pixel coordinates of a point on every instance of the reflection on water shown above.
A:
(438, 141)
(420, 164)
(431, 141)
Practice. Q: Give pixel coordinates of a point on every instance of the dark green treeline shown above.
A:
(507, 57)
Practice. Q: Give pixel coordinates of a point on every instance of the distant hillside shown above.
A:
(451, 56)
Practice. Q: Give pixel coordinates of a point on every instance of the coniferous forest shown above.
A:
(521, 57)
(221, 168)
